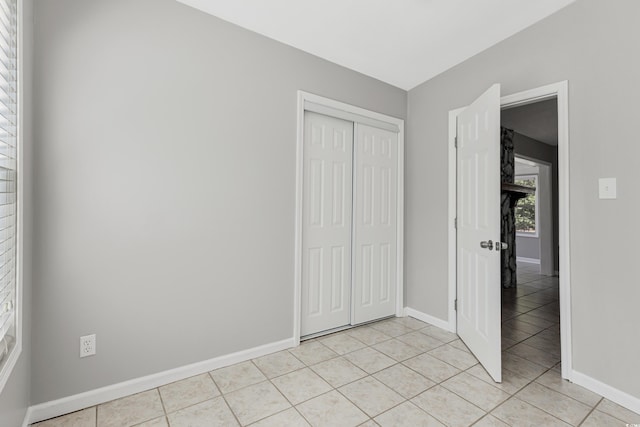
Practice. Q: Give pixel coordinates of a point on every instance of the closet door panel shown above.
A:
(374, 224)
(327, 223)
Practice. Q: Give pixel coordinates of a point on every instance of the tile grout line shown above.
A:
(223, 398)
(590, 412)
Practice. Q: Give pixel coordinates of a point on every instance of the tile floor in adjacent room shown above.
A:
(396, 372)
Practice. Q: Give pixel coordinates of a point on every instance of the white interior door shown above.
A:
(327, 208)
(375, 223)
(478, 206)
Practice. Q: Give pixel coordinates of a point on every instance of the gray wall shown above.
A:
(528, 247)
(165, 186)
(15, 396)
(530, 148)
(592, 44)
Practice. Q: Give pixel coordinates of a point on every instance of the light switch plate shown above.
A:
(607, 188)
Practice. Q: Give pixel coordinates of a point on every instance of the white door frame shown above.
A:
(560, 91)
(348, 112)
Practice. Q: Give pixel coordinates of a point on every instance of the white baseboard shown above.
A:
(442, 324)
(528, 260)
(613, 394)
(55, 408)
(27, 417)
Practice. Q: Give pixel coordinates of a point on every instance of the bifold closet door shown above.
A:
(327, 223)
(375, 224)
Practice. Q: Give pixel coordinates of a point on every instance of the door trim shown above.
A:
(306, 97)
(560, 91)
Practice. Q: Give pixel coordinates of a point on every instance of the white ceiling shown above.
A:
(401, 42)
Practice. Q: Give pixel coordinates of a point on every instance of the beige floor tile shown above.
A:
(188, 392)
(276, 364)
(515, 412)
(532, 354)
(476, 391)
(451, 355)
(420, 341)
(460, 345)
(511, 383)
(313, 352)
(448, 407)
(158, 422)
(368, 335)
(301, 385)
(600, 419)
(617, 411)
(439, 334)
(339, 371)
(235, 377)
(403, 380)
(397, 350)
(432, 368)
(557, 404)
(255, 402)
(520, 366)
(369, 423)
(84, 418)
(370, 360)
(342, 343)
(206, 414)
(288, 418)
(331, 409)
(411, 323)
(371, 396)
(130, 410)
(490, 421)
(391, 328)
(554, 381)
(407, 415)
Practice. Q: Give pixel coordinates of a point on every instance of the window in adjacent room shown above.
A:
(527, 207)
(10, 339)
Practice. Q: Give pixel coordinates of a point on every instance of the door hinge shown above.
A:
(455, 141)
(455, 223)
(455, 304)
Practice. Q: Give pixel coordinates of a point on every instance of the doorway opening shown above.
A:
(531, 306)
(557, 92)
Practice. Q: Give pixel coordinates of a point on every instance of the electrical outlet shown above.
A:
(88, 345)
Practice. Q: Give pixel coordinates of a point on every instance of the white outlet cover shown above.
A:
(88, 345)
(607, 188)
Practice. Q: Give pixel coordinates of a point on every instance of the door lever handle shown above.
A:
(487, 244)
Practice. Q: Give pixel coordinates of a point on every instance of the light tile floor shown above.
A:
(396, 372)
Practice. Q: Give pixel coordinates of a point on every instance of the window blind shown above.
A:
(8, 167)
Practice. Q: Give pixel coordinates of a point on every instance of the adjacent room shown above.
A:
(299, 213)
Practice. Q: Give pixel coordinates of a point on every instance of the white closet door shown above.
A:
(327, 208)
(375, 228)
